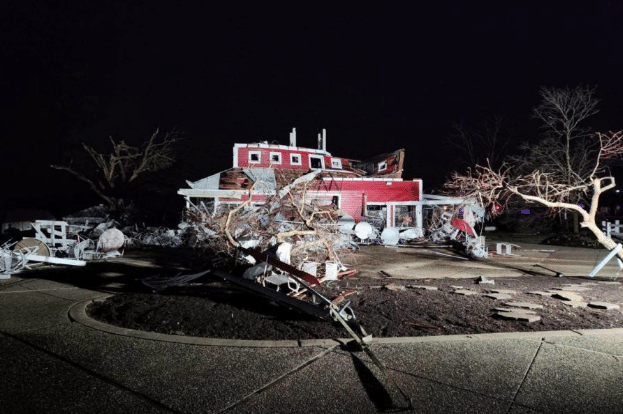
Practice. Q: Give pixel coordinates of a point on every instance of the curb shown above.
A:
(77, 313)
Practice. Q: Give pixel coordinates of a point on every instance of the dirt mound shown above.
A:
(218, 311)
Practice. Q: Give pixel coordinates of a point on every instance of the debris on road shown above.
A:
(482, 280)
(524, 305)
(518, 315)
(498, 296)
(59, 242)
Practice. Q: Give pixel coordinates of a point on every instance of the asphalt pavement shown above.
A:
(56, 359)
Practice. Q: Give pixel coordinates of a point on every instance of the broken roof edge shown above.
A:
(434, 199)
(381, 157)
(210, 179)
(194, 192)
(280, 146)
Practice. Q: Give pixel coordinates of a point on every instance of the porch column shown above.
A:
(418, 216)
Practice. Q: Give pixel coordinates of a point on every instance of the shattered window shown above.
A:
(254, 156)
(375, 215)
(315, 162)
(382, 166)
(405, 216)
(275, 158)
(295, 159)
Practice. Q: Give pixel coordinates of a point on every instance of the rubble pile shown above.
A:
(300, 230)
(457, 223)
(12, 261)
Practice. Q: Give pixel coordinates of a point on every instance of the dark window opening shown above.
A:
(315, 162)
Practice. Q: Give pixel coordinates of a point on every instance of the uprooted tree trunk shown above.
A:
(496, 187)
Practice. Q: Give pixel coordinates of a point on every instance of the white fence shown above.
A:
(612, 229)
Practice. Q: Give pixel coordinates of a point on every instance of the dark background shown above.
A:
(377, 78)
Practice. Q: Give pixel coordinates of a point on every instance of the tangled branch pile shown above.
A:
(308, 224)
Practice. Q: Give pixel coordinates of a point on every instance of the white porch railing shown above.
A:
(612, 229)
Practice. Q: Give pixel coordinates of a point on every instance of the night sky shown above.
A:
(377, 78)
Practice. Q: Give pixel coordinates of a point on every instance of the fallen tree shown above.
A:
(117, 174)
(496, 187)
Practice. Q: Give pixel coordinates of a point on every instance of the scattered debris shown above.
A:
(540, 293)
(422, 287)
(12, 261)
(572, 288)
(465, 292)
(529, 312)
(507, 291)
(606, 259)
(519, 316)
(507, 248)
(524, 305)
(569, 296)
(498, 296)
(59, 242)
(394, 287)
(574, 304)
(343, 295)
(482, 280)
(456, 221)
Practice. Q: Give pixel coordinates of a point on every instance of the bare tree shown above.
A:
(568, 149)
(550, 189)
(122, 168)
(488, 140)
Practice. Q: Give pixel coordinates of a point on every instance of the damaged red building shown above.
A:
(371, 190)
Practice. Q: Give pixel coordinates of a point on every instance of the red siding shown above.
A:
(243, 158)
(351, 193)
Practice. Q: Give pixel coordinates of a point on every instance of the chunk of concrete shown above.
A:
(575, 288)
(394, 287)
(524, 305)
(498, 296)
(422, 287)
(507, 291)
(519, 316)
(603, 305)
(574, 304)
(465, 292)
(529, 312)
(540, 293)
(568, 296)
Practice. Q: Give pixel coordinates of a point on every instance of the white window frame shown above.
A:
(300, 162)
(259, 157)
(336, 163)
(278, 154)
(321, 162)
(382, 166)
